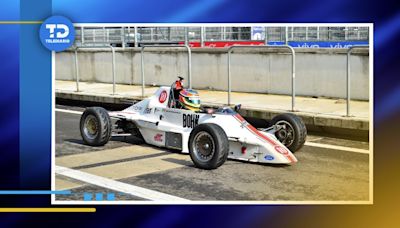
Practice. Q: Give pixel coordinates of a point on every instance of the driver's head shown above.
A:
(189, 99)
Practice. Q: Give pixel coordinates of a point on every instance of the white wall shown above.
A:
(319, 72)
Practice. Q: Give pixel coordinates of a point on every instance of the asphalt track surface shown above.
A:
(329, 169)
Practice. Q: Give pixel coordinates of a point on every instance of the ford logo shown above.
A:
(269, 157)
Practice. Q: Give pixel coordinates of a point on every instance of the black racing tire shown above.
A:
(95, 126)
(293, 134)
(208, 146)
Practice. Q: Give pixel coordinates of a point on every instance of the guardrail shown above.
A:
(230, 50)
(167, 46)
(77, 65)
(348, 90)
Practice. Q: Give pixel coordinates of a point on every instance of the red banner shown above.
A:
(222, 44)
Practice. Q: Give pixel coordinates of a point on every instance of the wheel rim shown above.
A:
(90, 127)
(203, 146)
(285, 134)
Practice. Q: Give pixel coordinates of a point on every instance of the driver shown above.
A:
(178, 86)
(189, 99)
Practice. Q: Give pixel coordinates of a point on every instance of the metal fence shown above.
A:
(229, 52)
(136, 36)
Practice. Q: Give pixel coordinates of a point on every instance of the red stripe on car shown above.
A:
(253, 130)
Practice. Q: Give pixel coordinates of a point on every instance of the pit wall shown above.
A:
(319, 72)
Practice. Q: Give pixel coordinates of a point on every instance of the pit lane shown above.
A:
(329, 169)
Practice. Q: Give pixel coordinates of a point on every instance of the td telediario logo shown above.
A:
(57, 33)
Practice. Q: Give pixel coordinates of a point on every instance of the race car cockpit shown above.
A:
(182, 98)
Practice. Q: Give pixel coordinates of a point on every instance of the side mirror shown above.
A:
(238, 107)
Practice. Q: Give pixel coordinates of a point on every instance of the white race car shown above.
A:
(210, 136)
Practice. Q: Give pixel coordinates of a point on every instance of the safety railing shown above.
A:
(77, 65)
(348, 75)
(230, 50)
(126, 36)
(167, 46)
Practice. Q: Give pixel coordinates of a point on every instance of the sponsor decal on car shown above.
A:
(190, 120)
(269, 157)
(158, 137)
(163, 96)
(170, 110)
(137, 108)
(281, 150)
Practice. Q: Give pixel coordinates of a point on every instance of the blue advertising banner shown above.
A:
(320, 44)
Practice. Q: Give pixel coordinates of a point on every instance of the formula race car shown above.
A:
(210, 135)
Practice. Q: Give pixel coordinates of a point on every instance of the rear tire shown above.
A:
(95, 126)
(208, 146)
(293, 133)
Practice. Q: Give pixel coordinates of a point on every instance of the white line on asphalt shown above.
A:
(334, 147)
(116, 185)
(68, 111)
(308, 143)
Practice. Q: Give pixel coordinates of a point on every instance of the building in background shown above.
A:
(305, 37)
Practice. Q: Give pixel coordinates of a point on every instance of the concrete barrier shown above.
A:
(319, 72)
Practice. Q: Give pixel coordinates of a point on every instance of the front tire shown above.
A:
(292, 132)
(95, 126)
(208, 146)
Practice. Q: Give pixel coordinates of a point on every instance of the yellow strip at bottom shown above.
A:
(48, 209)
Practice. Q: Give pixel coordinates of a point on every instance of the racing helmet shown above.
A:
(189, 99)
